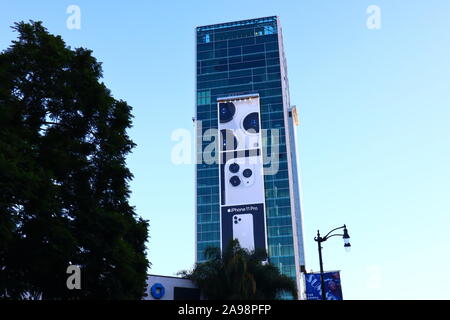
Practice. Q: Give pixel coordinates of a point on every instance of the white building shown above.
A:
(171, 288)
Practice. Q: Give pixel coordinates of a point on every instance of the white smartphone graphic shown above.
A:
(243, 230)
(243, 181)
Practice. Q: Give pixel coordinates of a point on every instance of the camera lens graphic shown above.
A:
(226, 111)
(234, 167)
(247, 173)
(235, 181)
(251, 122)
(229, 140)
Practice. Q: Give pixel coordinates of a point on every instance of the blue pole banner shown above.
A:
(333, 289)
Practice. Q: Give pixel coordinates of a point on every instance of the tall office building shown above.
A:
(237, 62)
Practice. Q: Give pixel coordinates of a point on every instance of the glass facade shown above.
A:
(237, 58)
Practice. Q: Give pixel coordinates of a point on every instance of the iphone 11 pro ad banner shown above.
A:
(242, 197)
(245, 223)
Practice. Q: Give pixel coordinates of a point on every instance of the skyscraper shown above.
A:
(246, 59)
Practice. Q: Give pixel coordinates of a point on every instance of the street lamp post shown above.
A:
(319, 241)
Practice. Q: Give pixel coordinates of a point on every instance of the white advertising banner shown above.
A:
(242, 197)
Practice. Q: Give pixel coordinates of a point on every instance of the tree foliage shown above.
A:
(237, 274)
(63, 177)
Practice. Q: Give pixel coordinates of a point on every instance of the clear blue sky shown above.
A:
(374, 134)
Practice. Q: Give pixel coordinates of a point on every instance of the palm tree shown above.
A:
(237, 274)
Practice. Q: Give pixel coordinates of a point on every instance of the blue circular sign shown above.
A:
(157, 291)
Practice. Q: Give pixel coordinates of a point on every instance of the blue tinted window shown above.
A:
(253, 48)
(204, 47)
(235, 51)
(241, 42)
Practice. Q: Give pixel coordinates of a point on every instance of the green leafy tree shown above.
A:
(63, 177)
(237, 274)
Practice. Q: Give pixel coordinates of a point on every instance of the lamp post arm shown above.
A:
(326, 237)
(334, 235)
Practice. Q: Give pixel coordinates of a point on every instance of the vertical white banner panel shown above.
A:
(242, 197)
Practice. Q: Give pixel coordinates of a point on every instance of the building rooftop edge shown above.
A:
(217, 26)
